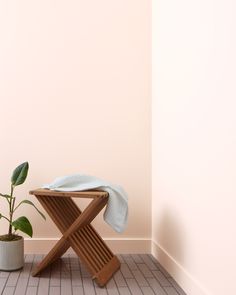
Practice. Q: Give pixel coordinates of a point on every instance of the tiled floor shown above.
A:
(139, 274)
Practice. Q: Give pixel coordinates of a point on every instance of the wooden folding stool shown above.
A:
(77, 232)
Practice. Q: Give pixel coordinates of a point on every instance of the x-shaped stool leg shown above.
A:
(78, 232)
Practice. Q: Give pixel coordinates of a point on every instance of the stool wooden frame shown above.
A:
(77, 232)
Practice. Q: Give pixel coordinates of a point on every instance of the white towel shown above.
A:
(116, 213)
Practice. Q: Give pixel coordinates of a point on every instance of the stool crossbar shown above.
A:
(77, 232)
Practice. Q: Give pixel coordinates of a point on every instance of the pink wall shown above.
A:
(75, 98)
(194, 143)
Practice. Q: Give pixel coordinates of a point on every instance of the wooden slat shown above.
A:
(107, 271)
(91, 232)
(95, 247)
(50, 207)
(87, 244)
(83, 253)
(82, 194)
(103, 246)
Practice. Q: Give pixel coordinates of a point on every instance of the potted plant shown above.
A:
(12, 244)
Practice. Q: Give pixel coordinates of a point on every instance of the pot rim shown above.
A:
(20, 239)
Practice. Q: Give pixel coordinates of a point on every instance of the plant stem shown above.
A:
(5, 196)
(11, 207)
(5, 218)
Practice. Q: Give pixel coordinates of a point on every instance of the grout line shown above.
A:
(116, 286)
(29, 274)
(37, 284)
(133, 277)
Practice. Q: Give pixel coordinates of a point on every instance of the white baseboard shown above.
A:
(187, 282)
(117, 245)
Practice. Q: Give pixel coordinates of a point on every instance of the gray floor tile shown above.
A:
(55, 280)
(31, 290)
(8, 291)
(147, 291)
(176, 286)
(100, 291)
(159, 266)
(140, 278)
(112, 288)
(24, 276)
(145, 270)
(126, 271)
(133, 286)
(88, 286)
(140, 274)
(161, 278)
(137, 258)
(2, 284)
(154, 284)
(34, 281)
(44, 280)
(124, 291)
(119, 279)
(170, 291)
(130, 262)
(151, 265)
(13, 278)
(54, 290)
(76, 290)
(120, 258)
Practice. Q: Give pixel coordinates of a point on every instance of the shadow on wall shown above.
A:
(170, 236)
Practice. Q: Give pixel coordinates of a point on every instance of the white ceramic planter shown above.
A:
(11, 255)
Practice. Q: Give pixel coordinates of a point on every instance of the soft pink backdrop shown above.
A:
(194, 143)
(75, 98)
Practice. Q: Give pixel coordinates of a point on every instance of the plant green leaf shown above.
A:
(19, 174)
(32, 204)
(23, 224)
